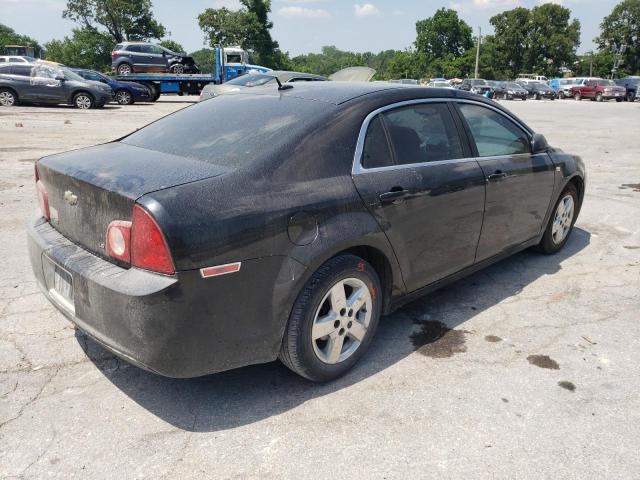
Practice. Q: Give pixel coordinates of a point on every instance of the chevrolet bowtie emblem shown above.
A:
(70, 198)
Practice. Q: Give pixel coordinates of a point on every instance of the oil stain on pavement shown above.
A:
(543, 361)
(492, 339)
(567, 385)
(634, 186)
(436, 340)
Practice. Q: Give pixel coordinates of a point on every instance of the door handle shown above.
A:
(395, 195)
(497, 175)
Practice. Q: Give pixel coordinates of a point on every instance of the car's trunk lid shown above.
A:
(91, 187)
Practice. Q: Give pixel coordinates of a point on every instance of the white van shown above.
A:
(531, 77)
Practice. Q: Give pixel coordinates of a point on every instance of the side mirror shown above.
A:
(539, 143)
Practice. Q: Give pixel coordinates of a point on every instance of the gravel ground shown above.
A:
(529, 369)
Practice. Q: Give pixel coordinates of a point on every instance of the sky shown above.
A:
(303, 26)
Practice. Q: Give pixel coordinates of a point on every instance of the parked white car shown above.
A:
(17, 59)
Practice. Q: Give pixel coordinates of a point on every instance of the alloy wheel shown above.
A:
(341, 321)
(123, 97)
(7, 99)
(83, 102)
(563, 219)
(124, 69)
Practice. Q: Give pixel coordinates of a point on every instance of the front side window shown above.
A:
(21, 71)
(234, 58)
(493, 133)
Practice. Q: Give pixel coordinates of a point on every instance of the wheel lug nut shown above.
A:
(349, 324)
(351, 312)
(343, 312)
(341, 332)
(336, 324)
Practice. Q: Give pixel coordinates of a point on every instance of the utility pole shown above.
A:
(478, 51)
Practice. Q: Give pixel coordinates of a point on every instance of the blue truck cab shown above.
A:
(228, 63)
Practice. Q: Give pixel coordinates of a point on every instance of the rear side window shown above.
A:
(493, 133)
(23, 71)
(418, 133)
(118, 47)
(232, 130)
(134, 48)
(376, 152)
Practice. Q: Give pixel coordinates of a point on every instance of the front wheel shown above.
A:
(83, 101)
(599, 97)
(333, 320)
(577, 96)
(631, 96)
(123, 97)
(177, 68)
(561, 222)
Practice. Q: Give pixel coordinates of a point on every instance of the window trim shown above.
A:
(357, 168)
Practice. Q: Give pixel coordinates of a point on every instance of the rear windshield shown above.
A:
(230, 130)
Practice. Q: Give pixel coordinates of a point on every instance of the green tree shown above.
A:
(406, 64)
(205, 58)
(87, 48)
(8, 36)
(249, 27)
(172, 45)
(442, 35)
(540, 40)
(622, 27)
(122, 19)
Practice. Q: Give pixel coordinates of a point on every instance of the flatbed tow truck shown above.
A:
(229, 63)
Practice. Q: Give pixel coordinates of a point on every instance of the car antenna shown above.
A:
(282, 87)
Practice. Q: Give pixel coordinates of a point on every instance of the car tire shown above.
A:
(631, 96)
(8, 98)
(577, 96)
(83, 101)
(619, 99)
(561, 95)
(125, 69)
(561, 221)
(599, 97)
(177, 69)
(325, 337)
(538, 96)
(124, 97)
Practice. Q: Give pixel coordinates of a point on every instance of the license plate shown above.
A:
(60, 284)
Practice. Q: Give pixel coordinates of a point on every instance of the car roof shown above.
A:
(340, 92)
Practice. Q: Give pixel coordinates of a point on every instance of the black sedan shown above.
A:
(511, 91)
(539, 90)
(283, 223)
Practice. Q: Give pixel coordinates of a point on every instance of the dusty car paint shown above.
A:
(282, 215)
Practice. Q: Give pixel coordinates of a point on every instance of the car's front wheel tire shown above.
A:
(333, 320)
(124, 98)
(631, 97)
(8, 98)
(577, 97)
(178, 69)
(83, 101)
(561, 222)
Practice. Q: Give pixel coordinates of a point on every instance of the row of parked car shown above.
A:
(28, 80)
(597, 89)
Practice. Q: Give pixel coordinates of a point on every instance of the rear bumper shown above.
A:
(178, 326)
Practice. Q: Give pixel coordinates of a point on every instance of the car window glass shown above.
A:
(219, 131)
(376, 152)
(423, 133)
(134, 48)
(234, 58)
(15, 59)
(155, 49)
(493, 133)
(23, 71)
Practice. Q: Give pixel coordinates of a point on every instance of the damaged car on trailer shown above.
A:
(282, 223)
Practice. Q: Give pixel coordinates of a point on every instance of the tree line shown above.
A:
(542, 40)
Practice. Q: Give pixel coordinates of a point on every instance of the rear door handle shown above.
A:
(498, 175)
(395, 195)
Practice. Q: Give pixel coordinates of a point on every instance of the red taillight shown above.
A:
(139, 242)
(114, 54)
(43, 197)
